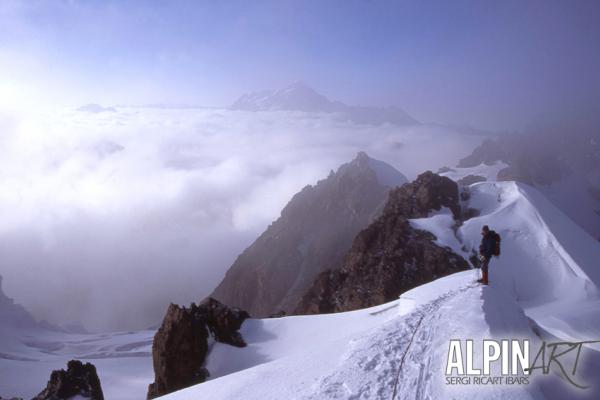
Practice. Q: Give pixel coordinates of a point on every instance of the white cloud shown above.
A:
(106, 217)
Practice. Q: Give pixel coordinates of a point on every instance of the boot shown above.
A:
(484, 277)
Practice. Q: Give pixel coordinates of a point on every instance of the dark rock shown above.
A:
(223, 322)
(79, 379)
(180, 345)
(471, 179)
(469, 213)
(445, 169)
(314, 232)
(428, 192)
(278, 314)
(178, 352)
(390, 256)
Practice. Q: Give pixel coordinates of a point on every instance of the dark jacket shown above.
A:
(488, 245)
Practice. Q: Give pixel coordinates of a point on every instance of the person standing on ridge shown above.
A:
(490, 246)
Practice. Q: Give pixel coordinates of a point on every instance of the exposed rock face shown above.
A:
(315, 230)
(180, 345)
(223, 322)
(178, 352)
(390, 256)
(78, 380)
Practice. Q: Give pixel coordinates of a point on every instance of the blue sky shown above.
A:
(499, 65)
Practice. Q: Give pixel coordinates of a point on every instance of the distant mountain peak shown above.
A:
(385, 173)
(313, 233)
(296, 97)
(361, 156)
(299, 96)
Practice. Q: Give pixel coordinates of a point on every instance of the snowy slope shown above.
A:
(545, 283)
(366, 354)
(549, 263)
(487, 171)
(28, 356)
(30, 351)
(399, 349)
(573, 194)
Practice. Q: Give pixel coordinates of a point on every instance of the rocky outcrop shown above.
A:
(390, 256)
(78, 380)
(315, 230)
(180, 345)
(223, 322)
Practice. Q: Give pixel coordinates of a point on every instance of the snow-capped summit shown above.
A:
(298, 97)
(301, 97)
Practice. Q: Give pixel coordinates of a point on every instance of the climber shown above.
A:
(490, 246)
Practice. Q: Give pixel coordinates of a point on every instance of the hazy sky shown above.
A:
(496, 65)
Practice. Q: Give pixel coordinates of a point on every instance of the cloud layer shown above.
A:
(108, 216)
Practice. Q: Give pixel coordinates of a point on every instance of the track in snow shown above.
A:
(374, 365)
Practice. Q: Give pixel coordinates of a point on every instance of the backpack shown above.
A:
(497, 240)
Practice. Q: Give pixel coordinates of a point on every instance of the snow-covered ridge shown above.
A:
(488, 172)
(370, 354)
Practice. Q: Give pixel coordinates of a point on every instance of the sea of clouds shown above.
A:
(107, 215)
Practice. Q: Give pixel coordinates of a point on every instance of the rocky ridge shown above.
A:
(313, 233)
(390, 257)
